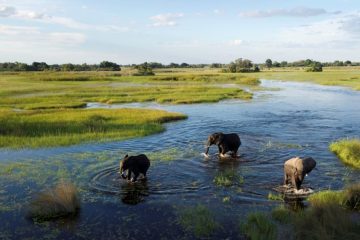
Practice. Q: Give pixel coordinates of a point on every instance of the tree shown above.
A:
(241, 65)
(315, 67)
(109, 66)
(144, 70)
(268, 63)
(283, 64)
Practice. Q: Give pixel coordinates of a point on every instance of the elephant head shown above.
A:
(124, 165)
(215, 138)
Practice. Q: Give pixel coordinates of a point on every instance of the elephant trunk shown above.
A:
(207, 147)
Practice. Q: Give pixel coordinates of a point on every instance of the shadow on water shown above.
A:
(299, 120)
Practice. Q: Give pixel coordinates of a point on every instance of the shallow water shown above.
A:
(298, 120)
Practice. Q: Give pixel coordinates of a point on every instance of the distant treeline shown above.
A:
(42, 66)
(242, 64)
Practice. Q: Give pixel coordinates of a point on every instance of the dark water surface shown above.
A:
(297, 120)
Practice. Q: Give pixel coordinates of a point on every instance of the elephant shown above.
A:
(134, 164)
(295, 170)
(225, 142)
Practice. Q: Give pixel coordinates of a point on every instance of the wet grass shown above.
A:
(348, 198)
(348, 150)
(258, 226)
(65, 127)
(198, 220)
(228, 178)
(275, 197)
(61, 201)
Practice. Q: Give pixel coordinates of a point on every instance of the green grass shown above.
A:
(49, 90)
(258, 226)
(198, 220)
(348, 198)
(275, 197)
(65, 127)
(348, 150)
(342, 76)
(228, 178)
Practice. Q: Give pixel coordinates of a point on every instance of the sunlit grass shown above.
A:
(66, 127)
(348, 150)
(343, 76)
(47, 90)
(348, 198)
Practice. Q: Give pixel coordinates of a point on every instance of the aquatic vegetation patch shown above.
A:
(65, 127)
(228, 178)
(166, 155)
(275, 197)
(198, 220)
(348, 150)
(259, 226)
(62, 201)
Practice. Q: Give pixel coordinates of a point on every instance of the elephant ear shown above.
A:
(220, 138)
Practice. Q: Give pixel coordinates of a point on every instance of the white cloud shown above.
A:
(32, 36)
(294, 12)
(342, 29)
(167, 19)
(236, 42)
(6, 11)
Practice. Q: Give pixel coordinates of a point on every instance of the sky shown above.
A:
(191, 31)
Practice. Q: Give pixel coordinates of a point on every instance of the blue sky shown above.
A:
(197, 31)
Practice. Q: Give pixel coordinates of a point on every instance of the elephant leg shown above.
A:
(136, 175)
(298, 183)
(220, 149)
(129, 175)
(285, 178)
(293, 181)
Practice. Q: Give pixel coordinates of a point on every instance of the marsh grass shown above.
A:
(325, 222)
(49, 90)
(62, 201)
(258, 226)
(228, 178)
(343, 76)
(348, 198)
(198, 220)
(282, 214)
(65, 127)
(348, 150)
